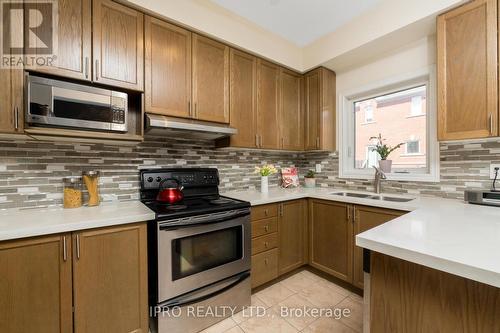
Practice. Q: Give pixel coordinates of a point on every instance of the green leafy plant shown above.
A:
(310, 174)
(382, 149)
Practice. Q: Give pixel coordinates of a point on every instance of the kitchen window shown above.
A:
(405, 113)
(412, 147)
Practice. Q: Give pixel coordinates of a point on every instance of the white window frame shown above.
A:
(345, 125)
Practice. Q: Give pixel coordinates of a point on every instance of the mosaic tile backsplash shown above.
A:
(31, 171)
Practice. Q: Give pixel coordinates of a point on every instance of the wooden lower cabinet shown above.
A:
(331, 238)
(102, 273)
(264, 267)
(366, 218)
(110, 280)
(35, 284)
(292, 231)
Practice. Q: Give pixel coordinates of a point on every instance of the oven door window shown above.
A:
(197, 253)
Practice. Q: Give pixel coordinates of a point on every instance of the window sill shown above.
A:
(416, 115)
(410, 177)
(368, 122)
(411, 155)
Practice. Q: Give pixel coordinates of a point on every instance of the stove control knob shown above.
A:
(158, 179)
(150, 179)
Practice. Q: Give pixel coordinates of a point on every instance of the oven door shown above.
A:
(191, 256)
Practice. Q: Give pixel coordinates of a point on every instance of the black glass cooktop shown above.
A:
(194, 206)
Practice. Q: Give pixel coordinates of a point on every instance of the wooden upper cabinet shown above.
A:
(36, 285)
(268, 104)
(312, 110)
(330, 238)
(11, 101)
(167, 69)
(320, 113)
(110, 280)
(74, 34)
(292, 231)
(210, 80)
(366, 218)
(118, 45)
(243, 99)
(291, 117)
(467, 71)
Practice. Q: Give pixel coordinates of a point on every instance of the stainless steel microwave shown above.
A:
(62, 104)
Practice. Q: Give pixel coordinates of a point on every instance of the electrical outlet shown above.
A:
(492, 170)
(318, 168)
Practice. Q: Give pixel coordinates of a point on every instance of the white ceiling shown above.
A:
(299, 21)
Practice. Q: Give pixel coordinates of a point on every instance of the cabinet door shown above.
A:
(312, 109)
(330, 237)
(327, 120)
(268, 104)
(242, 99)
(292, 235)
(291, 119)
(168, 69)
(118, 45)
(110, 280)
(366, 218)
(73, 37)
(210, 80)
(11, 101)
(36, 285)
(467, 71)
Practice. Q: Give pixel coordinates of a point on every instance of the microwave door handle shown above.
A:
(204, 294)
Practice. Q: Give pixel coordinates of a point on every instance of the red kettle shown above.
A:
(169, 194)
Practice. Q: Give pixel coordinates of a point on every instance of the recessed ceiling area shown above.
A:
(299, 21)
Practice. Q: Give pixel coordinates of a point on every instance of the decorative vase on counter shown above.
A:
(385, 166)
(264, 184)
(310, 182)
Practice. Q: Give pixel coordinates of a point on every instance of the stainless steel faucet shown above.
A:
(379, 176)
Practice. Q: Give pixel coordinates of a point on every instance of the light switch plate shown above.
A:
(318, 168)
(492, 170)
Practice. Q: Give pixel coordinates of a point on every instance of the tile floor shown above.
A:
(302, 290)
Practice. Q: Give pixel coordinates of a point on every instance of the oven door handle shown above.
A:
(200, 220)
(205, 293)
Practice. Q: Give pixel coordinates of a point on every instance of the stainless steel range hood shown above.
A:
(186, 128)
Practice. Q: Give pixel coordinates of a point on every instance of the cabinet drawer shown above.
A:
(264, 211)
(264, 243)
(264, 267)
(264, 227)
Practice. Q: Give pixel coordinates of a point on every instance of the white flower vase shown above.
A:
(264, 184)
(385, 166)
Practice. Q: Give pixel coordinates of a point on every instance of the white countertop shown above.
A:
(448, 235)
(19, 223)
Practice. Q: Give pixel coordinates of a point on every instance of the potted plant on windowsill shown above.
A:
(384, 151)
(309, 179)
(265, 171)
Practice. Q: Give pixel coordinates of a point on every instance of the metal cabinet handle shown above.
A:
(281, 210)
(86, 67)
(490, 119)
(353, 214)
(348, 213)
(195, 110)
(257, 140)
(266, 228)
(282, 143)
(266, 245)
(16, 118)
(266, 261)
(266, 212)
(189, 108)
(317, 142)
(78, 246)
(65, 249)
(97, 69)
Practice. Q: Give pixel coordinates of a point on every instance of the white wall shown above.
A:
(215, 21)
(405, 60)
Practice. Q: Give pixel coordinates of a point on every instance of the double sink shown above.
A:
(372, 196)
